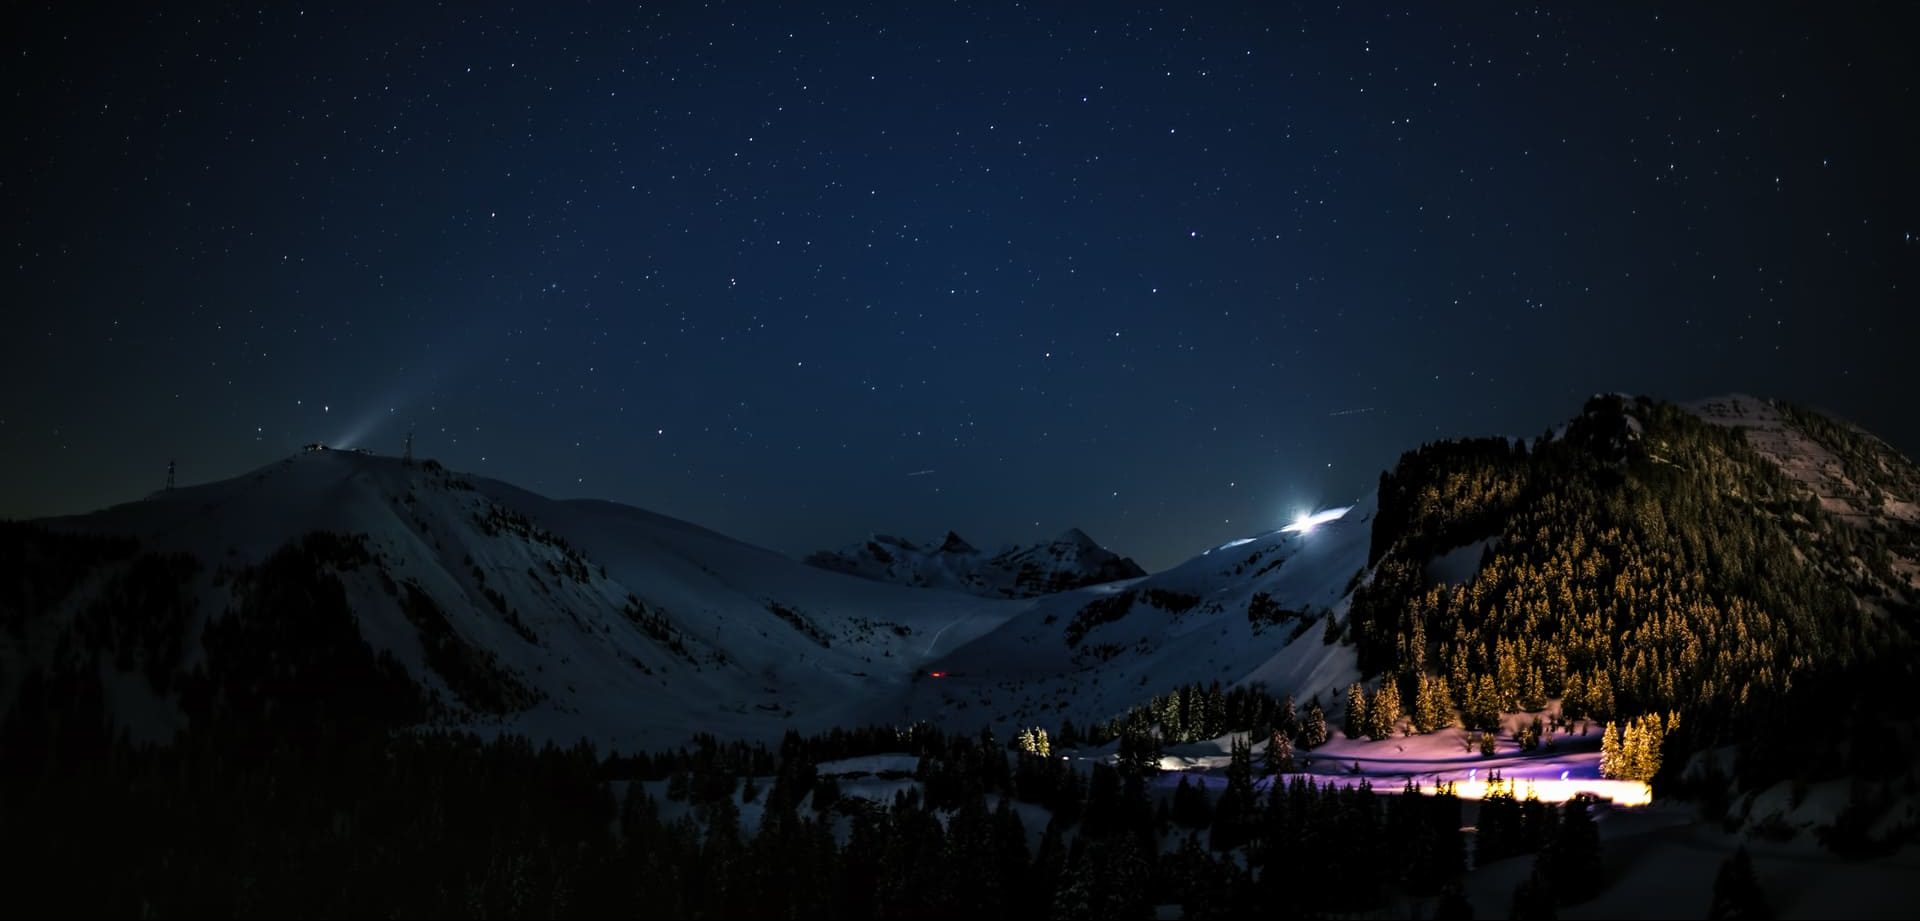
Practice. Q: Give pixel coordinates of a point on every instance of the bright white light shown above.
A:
(1619, 792)
(1306, 522)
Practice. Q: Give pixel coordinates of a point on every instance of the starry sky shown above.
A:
(803, 273)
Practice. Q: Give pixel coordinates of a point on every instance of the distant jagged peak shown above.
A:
(1069, 561)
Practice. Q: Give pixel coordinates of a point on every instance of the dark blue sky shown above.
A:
(1165, 275)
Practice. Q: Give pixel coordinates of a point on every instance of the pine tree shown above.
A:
(1528, 736)
(1641, 743)
(1356, 717)
(1010, 853)
(1234, 816)
(1431, 704)
(1313, 733)
(1069, 735)
(1533, 691)
(970, 855)
(1049, 864)
(1191, 808)
(1610, 763)
(1139, 751)
(1480, 707)
(1573, 700)
(1034, 741)
(1288, 723)
(1737, 895)
(1214, 713)
(1279, 756)
(1572, 859)
(1600, 696)
(1383, 710)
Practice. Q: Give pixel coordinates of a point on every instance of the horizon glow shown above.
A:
(1306, 521)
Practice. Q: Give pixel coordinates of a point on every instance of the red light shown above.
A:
(938, 674)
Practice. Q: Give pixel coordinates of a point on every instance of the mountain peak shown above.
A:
(1071, 560)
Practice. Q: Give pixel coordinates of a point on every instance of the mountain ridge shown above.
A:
(1069, 561)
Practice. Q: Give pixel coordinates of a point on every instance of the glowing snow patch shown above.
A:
(1233, 543)
(1619, 792)
(1306, 523)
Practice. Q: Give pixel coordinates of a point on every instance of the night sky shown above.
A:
(800, 274)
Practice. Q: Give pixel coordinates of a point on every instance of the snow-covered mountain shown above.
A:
(1252, 610)
(568, 619)
(557, 619)
(1072, 560)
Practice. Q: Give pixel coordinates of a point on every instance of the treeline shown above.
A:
(1195, 712)
(1643, 561)
(298, 786)
(249, 817)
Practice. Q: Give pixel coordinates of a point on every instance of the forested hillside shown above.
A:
(1642, 561)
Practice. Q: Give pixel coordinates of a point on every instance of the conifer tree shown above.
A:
(1191, 808)
(1573, 700)
(1480, 707)
(1279, 756)
(1010, 853)
(1383, 710)
(1356, 717)
(1313, 732)
(1034, 741)
(1288, 722)
(1431, 704)
(1233, 817)
(1069, 735)
(1572, 859)
(970, 855)
(1049, 864)
(1643, 749)
(1139, 751)
(1213, 714)
(1610, 763)
(1600, 696)
(1533, 690)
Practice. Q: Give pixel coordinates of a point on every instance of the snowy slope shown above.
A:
(623, 626)
(1848, 472)
(1072, 560)
(593, 619)
(1858, 494)
(1253, 610)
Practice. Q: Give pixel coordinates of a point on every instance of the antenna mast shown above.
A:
(407, 458)
(169, 473)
